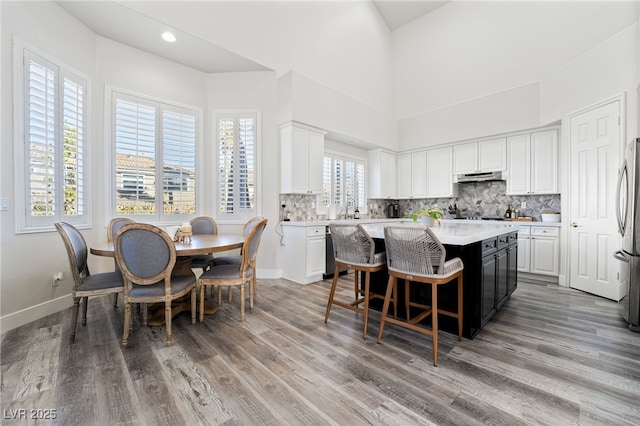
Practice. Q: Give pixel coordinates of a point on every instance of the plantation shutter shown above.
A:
(54, 136)
(135, 135)
(179, 157)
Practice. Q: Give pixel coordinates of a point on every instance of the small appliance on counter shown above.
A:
(393, 211)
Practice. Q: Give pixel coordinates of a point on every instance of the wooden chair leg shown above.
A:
(229, 290)
(127, 322)
(219, 295)
(250, 284)
(74, 318)
(202, 293)
(460, 307)
(385, 306)
(434, 322)
(367, 281)
(167, 321)
(407, 299)
(334, 283)
(356, 286)
(241, 302)
(145, 314)
(85, 306)
(193, 306)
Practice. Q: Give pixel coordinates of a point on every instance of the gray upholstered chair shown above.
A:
(85, 284)
(114, 225)
(237, 259)
(417, 256)
(203, 225)
(146, 255)
(234, 274)
(355, 249)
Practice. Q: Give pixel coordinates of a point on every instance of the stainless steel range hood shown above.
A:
(479, 177)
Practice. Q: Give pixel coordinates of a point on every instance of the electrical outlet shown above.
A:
(523, 205)
(56, 278)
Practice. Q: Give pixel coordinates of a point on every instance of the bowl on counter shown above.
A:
(550, 217)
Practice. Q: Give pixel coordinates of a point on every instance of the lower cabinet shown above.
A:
(539, 250)
(304, 253)
(498, 273)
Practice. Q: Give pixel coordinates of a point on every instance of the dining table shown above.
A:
(198, 244)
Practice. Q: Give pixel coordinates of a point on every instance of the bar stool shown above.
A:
(415, 255)
(355, 249)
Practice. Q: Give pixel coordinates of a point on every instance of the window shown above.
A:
(343, 183)
(155, 158)
(237, 141)
(51, 125)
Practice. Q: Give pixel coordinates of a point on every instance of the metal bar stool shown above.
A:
(415, 255)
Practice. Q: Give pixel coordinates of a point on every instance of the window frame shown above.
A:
(24, 222)
(158, 218)
(236, 218)
(363, 205)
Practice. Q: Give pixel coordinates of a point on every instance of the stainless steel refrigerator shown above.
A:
(628, 215)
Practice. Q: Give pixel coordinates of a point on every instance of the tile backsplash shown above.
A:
(482, 199)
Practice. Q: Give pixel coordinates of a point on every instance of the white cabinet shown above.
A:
(302, 152)
(483, 156)
(539, 250)
(533, 163)
(440, 173)
(303, 253)
(382, 174)
(545, 250)
(524, 249)
(412, 175)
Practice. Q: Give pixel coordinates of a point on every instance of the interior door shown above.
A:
(594, 161)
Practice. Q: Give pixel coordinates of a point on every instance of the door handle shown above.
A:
(574, 224)
(620, 256)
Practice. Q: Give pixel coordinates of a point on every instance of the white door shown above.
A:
(594, 160)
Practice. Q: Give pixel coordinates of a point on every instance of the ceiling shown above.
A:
(141, 32)
(397, 13)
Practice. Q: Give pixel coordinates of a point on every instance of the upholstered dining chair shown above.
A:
(146, 255)
(355, 249)
(234, 274)
(203, 225)
(85, 284)
(114, 225)
(237, 259)
(417, 256)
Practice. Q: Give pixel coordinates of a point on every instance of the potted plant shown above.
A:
(428, 217)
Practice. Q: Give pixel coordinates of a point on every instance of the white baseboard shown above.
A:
(32, 313)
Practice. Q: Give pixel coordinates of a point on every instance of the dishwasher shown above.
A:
(330, 260)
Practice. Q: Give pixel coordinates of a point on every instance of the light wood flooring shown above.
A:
(551, 356)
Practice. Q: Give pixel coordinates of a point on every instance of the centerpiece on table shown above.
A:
(428, 217)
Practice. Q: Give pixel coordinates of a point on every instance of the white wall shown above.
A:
(251, 90)
(345, 46)
(476, 52)
(28, 261)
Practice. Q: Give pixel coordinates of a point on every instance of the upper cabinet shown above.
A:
(382, 174)
(483, 156)
(302, 152)
(412, 175)
(440, 173)
(533, 163)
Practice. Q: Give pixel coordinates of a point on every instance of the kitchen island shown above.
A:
(489, 253)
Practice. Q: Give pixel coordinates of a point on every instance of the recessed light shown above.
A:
(168, 36)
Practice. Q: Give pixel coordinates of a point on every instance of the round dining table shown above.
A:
(199, 244)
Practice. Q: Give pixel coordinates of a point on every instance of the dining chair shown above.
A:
(417, 256)
(203, 225)
(146, 255)
(234, 274)
(237, 259)
(354, 249)
(114, 225)
(85, 284)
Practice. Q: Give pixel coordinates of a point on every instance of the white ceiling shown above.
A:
(114, 21)
(396, 13)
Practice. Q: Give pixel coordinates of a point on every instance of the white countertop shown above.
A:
(409, 220)
(453, 232)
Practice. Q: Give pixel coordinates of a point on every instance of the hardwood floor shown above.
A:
(552, 356)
